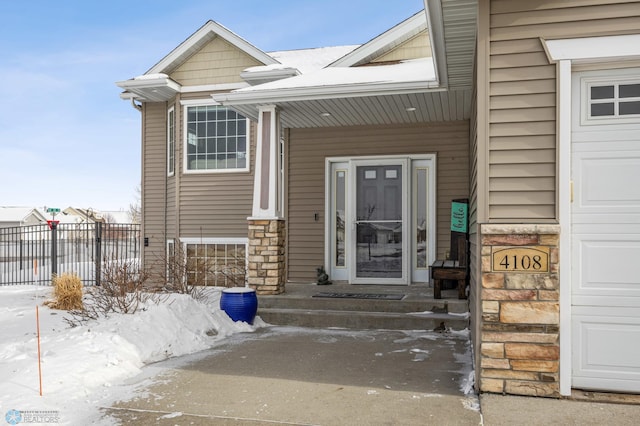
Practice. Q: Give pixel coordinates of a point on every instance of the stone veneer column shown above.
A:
(266, 271)
(519, 337)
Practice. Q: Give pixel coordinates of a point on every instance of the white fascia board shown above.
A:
(593, 49)
(148, 83)
(204, 31)
(324, 92)
(214, 87)
(412, 25)
(435, 25)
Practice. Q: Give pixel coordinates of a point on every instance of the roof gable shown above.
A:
(198, 40)
(415, 48)
(217, 62)
(385, 42)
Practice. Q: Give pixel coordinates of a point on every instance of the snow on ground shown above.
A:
(80, 364)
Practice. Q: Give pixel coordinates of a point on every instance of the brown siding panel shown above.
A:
(153, 178)
(308, 149)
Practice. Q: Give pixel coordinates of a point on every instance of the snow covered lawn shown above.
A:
(79, 365)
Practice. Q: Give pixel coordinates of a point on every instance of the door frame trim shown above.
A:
(432, 197)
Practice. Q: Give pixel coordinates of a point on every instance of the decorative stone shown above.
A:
(509, 374)
(531, 365)
(495, 363)
(493, 280)
(489, 294)
(529, 312)
(520, 337)
(531, 388)
(491, 385)
(492, 350)
(531, 281)
(532, 351)
(490, 307)
(510, 240)
(548, 295)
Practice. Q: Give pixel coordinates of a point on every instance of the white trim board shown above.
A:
(568, 53)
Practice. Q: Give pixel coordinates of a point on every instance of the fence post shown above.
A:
(54, 249)
(98, 258)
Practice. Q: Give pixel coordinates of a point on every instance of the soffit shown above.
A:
(434, 106)
(460, 29)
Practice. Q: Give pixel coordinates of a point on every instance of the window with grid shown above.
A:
(216, 139)
(614, 100)
(221, 265)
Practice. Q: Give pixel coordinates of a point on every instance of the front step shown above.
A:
(417, 311)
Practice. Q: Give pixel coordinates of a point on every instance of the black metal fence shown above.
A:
(31, 254)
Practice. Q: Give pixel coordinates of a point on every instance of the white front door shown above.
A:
(381, 219)
(605, 220)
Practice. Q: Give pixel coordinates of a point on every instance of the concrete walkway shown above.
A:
(283, 375)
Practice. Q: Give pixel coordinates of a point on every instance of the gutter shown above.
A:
(327, 92)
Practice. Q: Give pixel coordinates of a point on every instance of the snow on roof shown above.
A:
(15, 214)
(309, 60)
(407, 71)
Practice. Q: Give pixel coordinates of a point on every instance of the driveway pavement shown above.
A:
(284, 375)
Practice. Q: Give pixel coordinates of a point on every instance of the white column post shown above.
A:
(267, 182)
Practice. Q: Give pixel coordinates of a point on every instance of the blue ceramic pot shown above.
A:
(240, 303)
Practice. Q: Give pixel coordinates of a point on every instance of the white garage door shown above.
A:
(605, 217)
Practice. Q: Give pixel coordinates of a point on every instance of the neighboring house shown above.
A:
(20, 216)
(530, 109)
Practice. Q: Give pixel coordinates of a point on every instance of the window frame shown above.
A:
(204, 103)
(217, 241)
(171, 141)
(612, 79)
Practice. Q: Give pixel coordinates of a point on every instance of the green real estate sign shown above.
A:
(459, 217)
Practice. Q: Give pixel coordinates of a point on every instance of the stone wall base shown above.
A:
(519, 336)
(267, 264)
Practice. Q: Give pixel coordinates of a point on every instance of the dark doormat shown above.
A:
(377, 296)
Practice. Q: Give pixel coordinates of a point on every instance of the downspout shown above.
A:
(135, 105)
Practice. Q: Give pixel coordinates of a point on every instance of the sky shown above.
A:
(66, 137)
(122, 351)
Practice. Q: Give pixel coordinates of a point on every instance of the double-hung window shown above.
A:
(216, 139)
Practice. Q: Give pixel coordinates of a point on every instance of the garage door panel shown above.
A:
(607, 265)
(607, 182)
(604, 354)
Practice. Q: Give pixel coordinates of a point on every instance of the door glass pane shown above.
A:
(421, 218)
(340, 193)
(379, 221)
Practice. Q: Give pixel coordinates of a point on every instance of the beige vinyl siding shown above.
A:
(522, 125)
(216, 63)
(415, 48)
(308, 149)
(153, 179)
(215, 205)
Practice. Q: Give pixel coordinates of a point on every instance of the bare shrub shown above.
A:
(121, 290)
(67, 292)
(191, 271)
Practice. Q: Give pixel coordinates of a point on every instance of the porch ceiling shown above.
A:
(429, 106)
